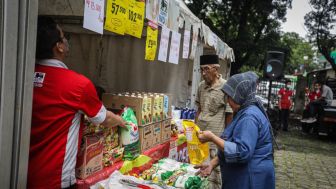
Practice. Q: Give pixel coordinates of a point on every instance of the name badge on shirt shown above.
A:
(38, 79)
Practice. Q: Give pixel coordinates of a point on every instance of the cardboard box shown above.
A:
(90, 156)
(165, 130)
(156, 133)
(141, 105)
(146, 137)
(157, 107)
(167, 103)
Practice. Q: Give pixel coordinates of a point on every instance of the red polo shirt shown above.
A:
(61, 98)
(285, 98)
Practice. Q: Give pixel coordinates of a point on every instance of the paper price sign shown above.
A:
(135, 20)
(151, 43)
(94, 15)
(116, 14)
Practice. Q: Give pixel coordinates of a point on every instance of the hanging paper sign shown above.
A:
(194, 42)
(116, 14)
(163, 14)
(173, 12)
(152, 10)
(163, 50)
(174, 48)
(151, 43)
(94, 15)
(186, 41)
(136, 11)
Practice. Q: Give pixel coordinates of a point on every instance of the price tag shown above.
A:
(151, 43)
(136, 11)
(116, 14)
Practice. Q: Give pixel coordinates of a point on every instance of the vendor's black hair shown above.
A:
(47, 36)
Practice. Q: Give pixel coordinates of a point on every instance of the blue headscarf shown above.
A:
(242, 88)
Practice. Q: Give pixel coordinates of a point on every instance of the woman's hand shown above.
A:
(205, 136)
(205, 169)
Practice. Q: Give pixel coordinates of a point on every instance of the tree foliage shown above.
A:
(297, 49)
(320, 22)
(250, 27)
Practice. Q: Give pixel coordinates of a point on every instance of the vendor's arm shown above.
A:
(245, 137)
(90, 104)
(113, 120)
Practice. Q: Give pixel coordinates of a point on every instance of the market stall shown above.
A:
(134, 74)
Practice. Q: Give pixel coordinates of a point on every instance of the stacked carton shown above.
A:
(152, 111)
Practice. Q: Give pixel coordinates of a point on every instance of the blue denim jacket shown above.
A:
(246, 161)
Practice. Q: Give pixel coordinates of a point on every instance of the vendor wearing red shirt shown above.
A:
(285, 104)
(61, 97)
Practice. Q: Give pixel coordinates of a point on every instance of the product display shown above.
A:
(172, 173)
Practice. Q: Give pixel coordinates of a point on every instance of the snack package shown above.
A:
(130, 136)
(198, 152)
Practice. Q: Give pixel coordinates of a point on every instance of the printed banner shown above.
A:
(151, 43)
(116, 16)
(163, 50)
(94, 15)
(152, 10)
(174, 48)
(135, 22)
(186, 41)
(163, 14)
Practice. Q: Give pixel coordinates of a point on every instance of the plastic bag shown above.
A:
(130, 137)
(198, 152)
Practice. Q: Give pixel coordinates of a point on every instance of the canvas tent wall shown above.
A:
(117, 62)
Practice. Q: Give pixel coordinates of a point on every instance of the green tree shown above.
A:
(298, 48)
(320, 22)
(250, 27)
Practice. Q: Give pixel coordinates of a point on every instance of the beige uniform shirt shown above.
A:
(213, 107)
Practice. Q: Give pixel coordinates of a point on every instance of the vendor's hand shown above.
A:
(205, 169)
(205, 136)
(122, 122)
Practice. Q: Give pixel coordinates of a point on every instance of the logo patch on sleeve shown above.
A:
(38, 79)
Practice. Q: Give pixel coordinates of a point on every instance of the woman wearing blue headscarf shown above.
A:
(245, 147)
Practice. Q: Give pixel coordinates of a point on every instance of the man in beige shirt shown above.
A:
(213, 112)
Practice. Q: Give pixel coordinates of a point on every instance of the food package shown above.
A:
(198, 152)
(112, 156)
(90, 128)
(168, 172)
(130, 136)
(90, 156)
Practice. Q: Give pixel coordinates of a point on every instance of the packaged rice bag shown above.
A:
(198, 152)
(130, 136)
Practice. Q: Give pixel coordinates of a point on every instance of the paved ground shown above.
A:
(304, 161)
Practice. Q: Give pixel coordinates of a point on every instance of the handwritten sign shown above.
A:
(136, 11)
(186, 41)
(151, 43)
(163, 50)
(116, 14)
(94, 15)
(174, 48)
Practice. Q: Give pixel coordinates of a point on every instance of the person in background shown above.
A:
(245, 147)
(285, 104)
(212, 107)
(61, 97)
(316, 105)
